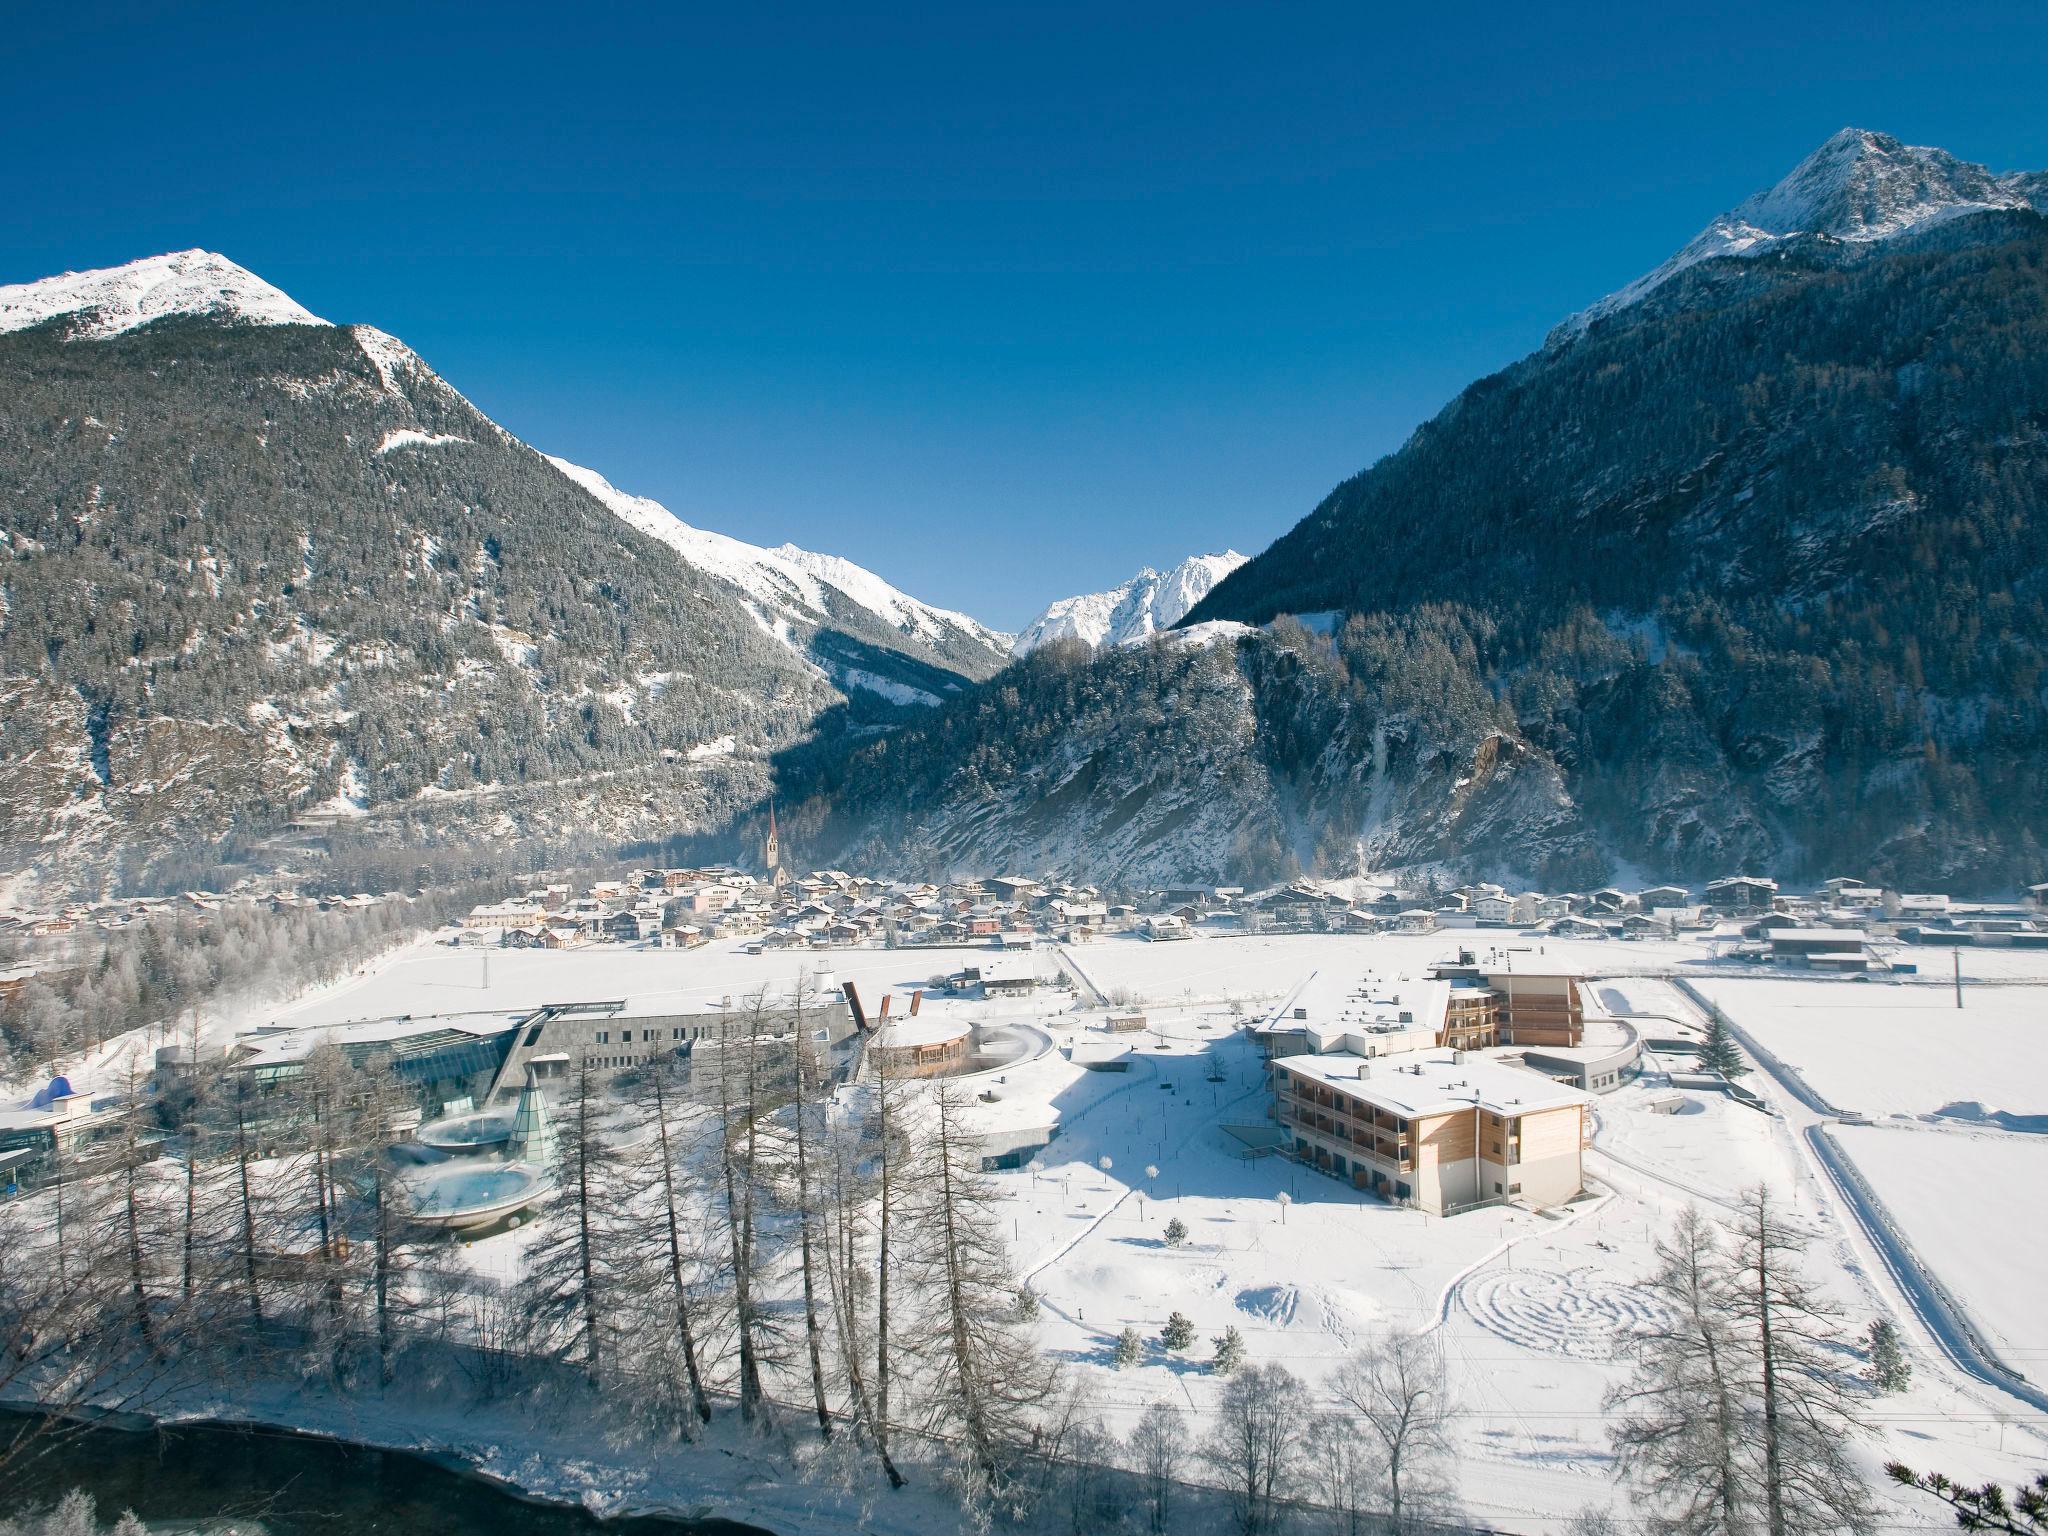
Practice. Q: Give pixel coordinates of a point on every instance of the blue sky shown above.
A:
(1001, 302)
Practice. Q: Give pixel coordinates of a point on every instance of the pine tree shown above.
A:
(1987, 1507)
(1887, 1368)
(1178, 1333)
(1176, 1232)
(1718, 1052)
(1130, 1349)
(1229, 1351)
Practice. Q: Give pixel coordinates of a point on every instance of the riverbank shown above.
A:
(245, 1477)
(511, 1454)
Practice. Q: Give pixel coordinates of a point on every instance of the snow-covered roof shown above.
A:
(1436, 1082)
(1353, 1002)
(923, 1029)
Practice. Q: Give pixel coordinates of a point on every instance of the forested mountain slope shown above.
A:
(1749, 571)
(258, 569)
(253, 570)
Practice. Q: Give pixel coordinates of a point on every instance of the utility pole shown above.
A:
(1957, 956)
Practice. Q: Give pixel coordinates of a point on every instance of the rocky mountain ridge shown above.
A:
(1858, 188)
(1147, 603)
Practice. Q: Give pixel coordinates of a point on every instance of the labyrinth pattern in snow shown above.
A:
(1581, 1314)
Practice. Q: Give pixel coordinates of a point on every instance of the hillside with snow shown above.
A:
(794, 594)
(1149, 602)
(112, 300)
(352, 606)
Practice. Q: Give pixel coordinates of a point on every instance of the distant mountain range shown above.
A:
(257, 570)
(1747, 567)
(1142, 606)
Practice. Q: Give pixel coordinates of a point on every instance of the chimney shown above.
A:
(916, 998)
(1365, 1069)
(882, 1014)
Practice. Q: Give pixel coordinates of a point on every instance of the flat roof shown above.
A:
(1816, 935)
(925, 1029)
(1433, 1083)
(1360, 1003)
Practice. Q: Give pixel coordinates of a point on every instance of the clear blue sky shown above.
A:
(1001, 302)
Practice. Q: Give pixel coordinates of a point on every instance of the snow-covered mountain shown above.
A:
(347, 596)
(1859, 187)
(794, 593)
(1144, 605)
(116, 299)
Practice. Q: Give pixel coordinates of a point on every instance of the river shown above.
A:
(218, 1478)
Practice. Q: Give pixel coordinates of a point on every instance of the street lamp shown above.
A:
(1285, 1200)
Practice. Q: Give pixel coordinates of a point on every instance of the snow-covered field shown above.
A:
(1534, 1310)
(1877, 1049)
(1953, 1193)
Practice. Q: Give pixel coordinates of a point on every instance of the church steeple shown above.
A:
(771, 851)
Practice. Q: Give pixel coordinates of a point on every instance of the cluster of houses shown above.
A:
(831, 909)
(827, 909)
(76, 917)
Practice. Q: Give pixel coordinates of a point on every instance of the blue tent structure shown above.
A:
(60, 1088)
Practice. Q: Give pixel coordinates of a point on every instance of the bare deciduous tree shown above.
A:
(1159, 1450)
(1256, 1443)
(1398, 1388)
(1738, 1414)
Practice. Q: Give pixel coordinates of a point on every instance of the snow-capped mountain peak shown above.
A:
(795, 592)
(111, 300)
(1858, 187)
(1142, 606)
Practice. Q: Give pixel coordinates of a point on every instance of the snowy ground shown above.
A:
(1952, 1192)
(1534, 1310)
(1876, 1049)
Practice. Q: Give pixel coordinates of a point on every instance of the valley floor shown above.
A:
(1534, 1308)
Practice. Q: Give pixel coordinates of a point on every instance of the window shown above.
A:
(533, 1036)
(1400, 1190)
(1514, 1189)
(604, 1037)
(1496, 1186)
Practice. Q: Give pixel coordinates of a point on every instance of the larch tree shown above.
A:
(1804, 1398)
(679, 1193)
(1681, 1414)
(987, 1376)
(569, 1264)
(1741, 1411)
